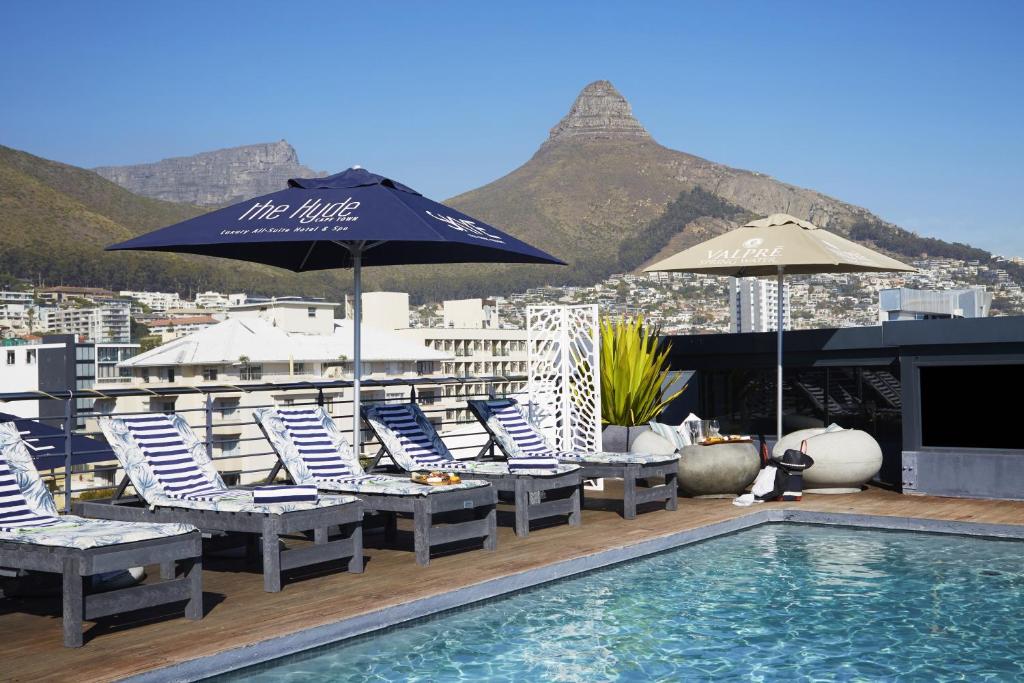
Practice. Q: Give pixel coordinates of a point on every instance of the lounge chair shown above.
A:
(517, 438)
(313, 451)
(33, 537)
(176, 482)
(540, 486)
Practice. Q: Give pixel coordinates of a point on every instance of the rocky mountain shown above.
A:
(603, 194)
(600, 192)
(213, 178)
(55, 220)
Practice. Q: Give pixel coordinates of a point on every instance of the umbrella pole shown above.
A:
(357, 370)
(778, 358)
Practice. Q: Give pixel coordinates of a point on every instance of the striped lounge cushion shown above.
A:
(303, 493)
(306, 430)
(15, 512)
(416, 443)
(535, 453)
(170, 459)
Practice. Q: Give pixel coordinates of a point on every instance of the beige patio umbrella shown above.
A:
(777, 245)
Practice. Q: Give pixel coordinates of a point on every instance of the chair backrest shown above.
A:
(162, 456)
(408, 436)
(310, 445)
(505, 421)
(24, 499)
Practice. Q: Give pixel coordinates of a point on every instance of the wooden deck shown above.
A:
(239, 613)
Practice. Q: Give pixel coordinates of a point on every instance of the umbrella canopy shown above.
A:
(761, 247)
(777, 245)
(346, 220)
(315, 223)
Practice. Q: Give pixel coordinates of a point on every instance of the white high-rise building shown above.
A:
(106, 323)
(754, 305)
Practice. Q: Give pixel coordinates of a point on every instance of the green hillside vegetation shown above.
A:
(55, 220)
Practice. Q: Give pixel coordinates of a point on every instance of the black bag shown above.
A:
(789, 474)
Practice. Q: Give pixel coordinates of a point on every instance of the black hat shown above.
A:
(793, 460)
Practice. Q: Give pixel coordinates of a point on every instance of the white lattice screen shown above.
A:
(564, 376)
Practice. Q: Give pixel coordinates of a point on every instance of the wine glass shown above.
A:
(713, 429)
(695, 430)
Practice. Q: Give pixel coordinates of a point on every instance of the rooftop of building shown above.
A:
(260, 341)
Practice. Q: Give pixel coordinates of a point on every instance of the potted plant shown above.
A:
(634, 379)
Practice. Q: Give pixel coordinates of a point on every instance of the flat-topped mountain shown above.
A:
(213, 178)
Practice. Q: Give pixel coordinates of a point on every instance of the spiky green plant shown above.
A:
(634, 370)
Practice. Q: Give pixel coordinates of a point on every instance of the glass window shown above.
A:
(251, 373)
(229, 446)
(30, 356)
(299, 368)
(10, 357)
(210, 374)
(169, 374)
(228, 406)
(311, 312)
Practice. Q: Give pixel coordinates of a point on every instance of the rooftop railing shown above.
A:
(74, 467)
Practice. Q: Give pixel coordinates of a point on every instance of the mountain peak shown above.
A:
(600, 112)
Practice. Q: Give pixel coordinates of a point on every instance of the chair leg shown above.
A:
(491, 540)
(271, 557)
(355, 563)
(194, 575)
(522, 503)
(629, 492)
(390, 526)
(422, 520)
(576, 516)
(74, 603)
(671, 481)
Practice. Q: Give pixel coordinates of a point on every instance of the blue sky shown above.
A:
(911, 109)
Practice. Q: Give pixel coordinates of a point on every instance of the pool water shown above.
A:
(774, 603)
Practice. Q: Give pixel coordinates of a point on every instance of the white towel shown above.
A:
(764, 484)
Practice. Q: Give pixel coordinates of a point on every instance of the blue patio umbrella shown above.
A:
(347, 220)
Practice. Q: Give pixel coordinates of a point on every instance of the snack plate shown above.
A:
(422, 478)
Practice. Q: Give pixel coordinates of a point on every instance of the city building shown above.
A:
(59, 362)
(172, 328)
(754, 305)
(106, 323)
(62, 294)
(156, 302)
(280, 340)
(471, 338)
(902, 303)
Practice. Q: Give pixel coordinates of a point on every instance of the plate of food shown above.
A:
(435, 478)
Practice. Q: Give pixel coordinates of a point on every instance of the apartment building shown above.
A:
(754, 305)
(105, 323)
(156, 302)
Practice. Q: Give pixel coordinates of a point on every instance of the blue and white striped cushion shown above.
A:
(519, 430)
(535, 454)
(171, 460)
(314, 444)
(15, 511)
(414, 440)
(301, 493)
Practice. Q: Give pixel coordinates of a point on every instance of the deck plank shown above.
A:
(239, 613)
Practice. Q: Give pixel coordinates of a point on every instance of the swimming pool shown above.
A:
(778, 602)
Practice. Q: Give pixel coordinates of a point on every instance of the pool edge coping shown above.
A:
(317, 636)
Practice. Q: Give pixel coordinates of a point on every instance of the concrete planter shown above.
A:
(619, 439)
(720, 471)
(844, 461)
